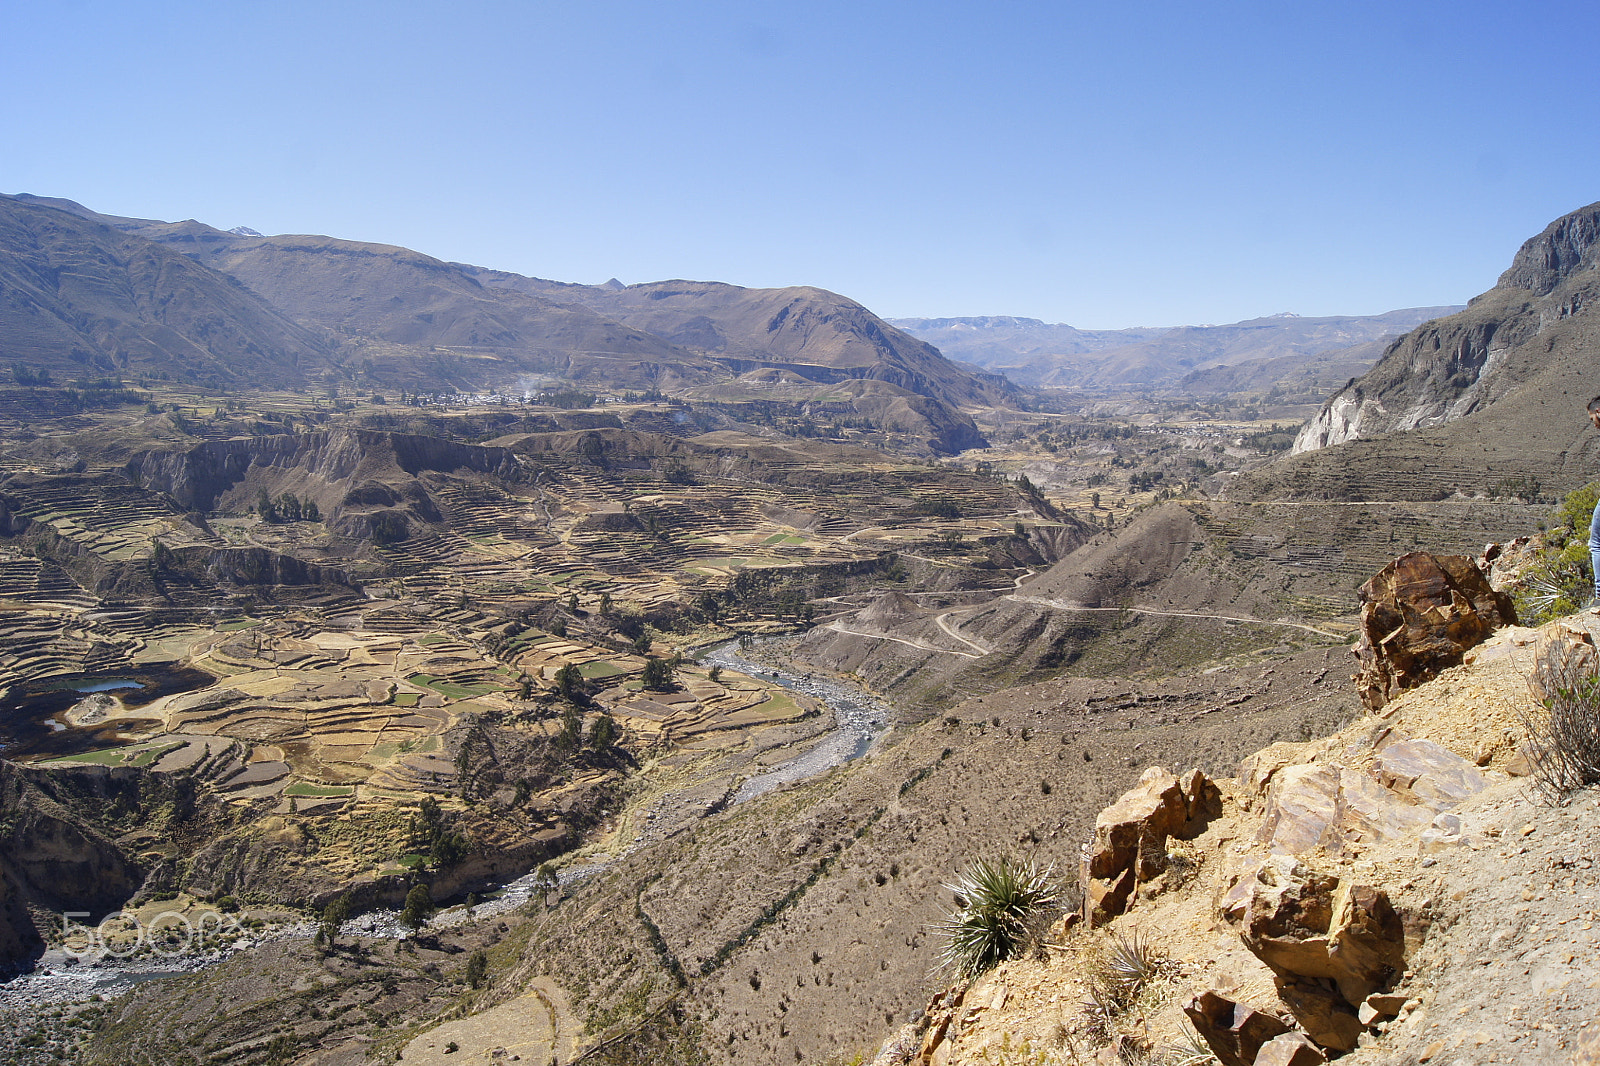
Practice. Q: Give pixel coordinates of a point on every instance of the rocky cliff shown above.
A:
(348, 472)
(53, 857)
(1454, 367)
(1393, 893)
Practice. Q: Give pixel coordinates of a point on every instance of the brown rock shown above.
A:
(1234, 1032)
(1103, 900)
(1290, 1049)
(1130, 843)
(1370, 813)
(1321, 1011)
(1131, 833)
(1419, 615)
(1586, 1052)
(1348, 943)
(1286, 921)
(1302, 808)
(1433, 776)
(1366, 942)
(1204, 801)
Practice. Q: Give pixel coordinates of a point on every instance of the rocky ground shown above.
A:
(1497, 896)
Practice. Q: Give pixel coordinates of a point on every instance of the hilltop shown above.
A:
(389, 317)
(1486, 401)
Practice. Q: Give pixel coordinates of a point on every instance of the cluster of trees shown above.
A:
(432, 835)
(1145, 479)
(287, 508)
(24, 375)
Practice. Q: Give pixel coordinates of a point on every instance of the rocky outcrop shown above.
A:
(52, 857)
(1398, 788)
(1329, 944)
(332, 467)
(1419, 615)
(1130, 838)
(1234, 1032)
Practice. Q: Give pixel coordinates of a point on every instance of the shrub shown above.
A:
(477, 969)
(1557, 581)
(1564, 733)
(1002, 908)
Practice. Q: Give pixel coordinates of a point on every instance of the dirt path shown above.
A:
(1060, 605)
(919, 645)
(944, 626)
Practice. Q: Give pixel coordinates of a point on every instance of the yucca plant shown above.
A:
(1001, 908)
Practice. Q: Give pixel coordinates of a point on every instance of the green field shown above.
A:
(303, 788)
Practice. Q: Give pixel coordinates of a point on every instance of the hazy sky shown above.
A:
(1104, 165)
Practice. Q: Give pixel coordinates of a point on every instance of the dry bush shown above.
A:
(1564, 732)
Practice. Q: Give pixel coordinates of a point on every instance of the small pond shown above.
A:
(28, 726)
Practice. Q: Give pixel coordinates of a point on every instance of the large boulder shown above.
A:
(1130, 837)
(1329, 944)
(1419, 615)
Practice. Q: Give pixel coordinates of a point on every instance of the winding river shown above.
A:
(859, 719)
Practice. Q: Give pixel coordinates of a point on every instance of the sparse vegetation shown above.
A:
(1556, 580)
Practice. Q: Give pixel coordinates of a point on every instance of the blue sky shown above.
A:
(1103, 165)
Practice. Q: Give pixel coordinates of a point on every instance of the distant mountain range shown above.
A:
(82, 292)
(1034, 353)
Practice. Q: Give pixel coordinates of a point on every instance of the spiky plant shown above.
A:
(1117, 976)
(1001, 908)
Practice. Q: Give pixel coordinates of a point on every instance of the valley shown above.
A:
(724, 625)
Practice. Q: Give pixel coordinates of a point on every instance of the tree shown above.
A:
(477, 968)
(657, 674)
(604, 733)
(418, 907)
(334, 915)
(571, 729)
(714, 674)
(569, 682)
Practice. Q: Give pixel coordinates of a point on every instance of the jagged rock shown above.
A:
(1329, 945)
(1290, 1049)
(1286, 922)
(1302, 807)
(1419, 615)
(1366, 941)
(1324, 1014)
(1380, 1005)
(1368, 812)
(1130, 837)
(1234, 1032)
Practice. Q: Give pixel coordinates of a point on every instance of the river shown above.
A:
(859, 718)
